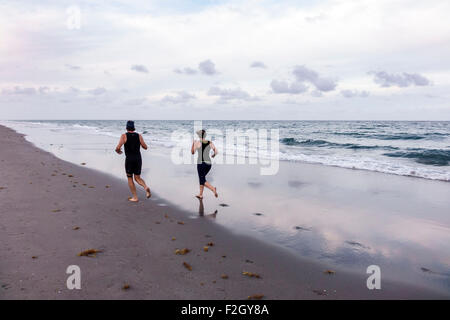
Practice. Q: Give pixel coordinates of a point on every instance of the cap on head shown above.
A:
(130, 125)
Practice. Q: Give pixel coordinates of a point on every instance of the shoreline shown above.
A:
(410, 174)
(137, 244)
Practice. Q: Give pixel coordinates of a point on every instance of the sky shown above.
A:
(217, 59)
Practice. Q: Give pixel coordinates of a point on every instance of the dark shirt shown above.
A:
(203, 155)
(133, 146)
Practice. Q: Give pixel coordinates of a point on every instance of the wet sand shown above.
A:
(43, 199)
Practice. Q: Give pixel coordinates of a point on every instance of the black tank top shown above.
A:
(133, 145)
(203, 156)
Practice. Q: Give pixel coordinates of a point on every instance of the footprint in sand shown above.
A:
(299, 228)
(258, 214)
(357, 244)
(426, 270)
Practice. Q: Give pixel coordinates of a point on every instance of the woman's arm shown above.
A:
(195, 146)
(141, 140)
(122, 140)
(213, 147)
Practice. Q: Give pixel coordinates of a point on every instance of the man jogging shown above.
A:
(133, 142)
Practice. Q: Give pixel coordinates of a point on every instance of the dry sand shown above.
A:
(44, 198)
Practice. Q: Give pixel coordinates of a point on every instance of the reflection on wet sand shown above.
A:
(201, 210)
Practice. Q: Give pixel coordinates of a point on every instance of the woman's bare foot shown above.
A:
(133, 199)
(199, 197)
(215, 193)
(148, 193)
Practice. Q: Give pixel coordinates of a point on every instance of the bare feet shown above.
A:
(199, 197)
(148, 192)
(133, 199)
(215, 193)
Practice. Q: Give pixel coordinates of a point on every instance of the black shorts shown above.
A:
(133, 166)
(202, 170)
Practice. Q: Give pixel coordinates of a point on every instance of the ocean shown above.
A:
(410, 148)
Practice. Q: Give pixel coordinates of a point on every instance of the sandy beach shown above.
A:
(51, 210)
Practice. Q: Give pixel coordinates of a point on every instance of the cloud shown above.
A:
(402, 80)
(139, 68)
(207, 67)
(303, 77)
(43, 89)
(74, 90)
(187, 70)
(179, 97)
(285, 87)
(316, 94)
(97, 91)
(316, 18)
(303, 74)
(355, 93)
(73, 67)
(19, 91)
(258, 64)
(230, 94)
(135, 102)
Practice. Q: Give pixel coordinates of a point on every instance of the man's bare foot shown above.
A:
(133, 199)
(199, 197)
(148, 193)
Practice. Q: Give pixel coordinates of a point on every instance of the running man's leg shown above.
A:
(132, 188)
(141, 182)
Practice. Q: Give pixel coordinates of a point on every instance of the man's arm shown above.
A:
(141, 140)
(122, 140)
